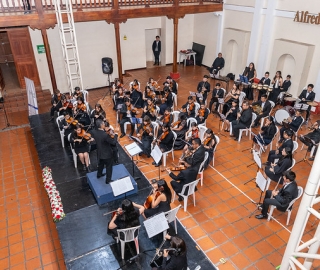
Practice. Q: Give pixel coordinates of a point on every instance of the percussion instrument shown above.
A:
(290, 110)
(289, 101)
(312, 103)
(281, 115)
(265, 87)
(254, 85)
(270, 88)
(301, 106)
(259, 87)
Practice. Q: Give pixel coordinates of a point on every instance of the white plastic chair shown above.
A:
(171, 216)
(175, 115)
(191, 120)
(241, 98)
(262, 119)
(289, 208)
(202, 130)
(128, 235)
(296, 132)
(191, 191)
(215, 149)
(58, 120)
(155, 129)
(254, 116)
(164, 154)
(85, 95)
(201, 168)
(197, 108)
(295, 146)
(175, 100)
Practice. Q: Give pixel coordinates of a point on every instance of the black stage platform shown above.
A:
(83, 232)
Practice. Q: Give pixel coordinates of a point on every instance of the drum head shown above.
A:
(265, 86)
(290, 110)
(280, 115)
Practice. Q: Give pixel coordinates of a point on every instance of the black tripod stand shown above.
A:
(222, 119)
(309, 141)
(109, 86)
(8, 125)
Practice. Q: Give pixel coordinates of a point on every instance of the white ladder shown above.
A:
(68, 39)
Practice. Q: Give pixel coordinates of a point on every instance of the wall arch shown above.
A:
(287, 65)
(231, 56)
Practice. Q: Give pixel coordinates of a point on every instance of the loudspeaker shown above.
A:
(107, 66)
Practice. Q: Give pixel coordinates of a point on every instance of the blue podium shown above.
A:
(102, 191)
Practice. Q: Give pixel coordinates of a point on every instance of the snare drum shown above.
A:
(259, 86)
(289, 101)
(280, 115)
(265, 87)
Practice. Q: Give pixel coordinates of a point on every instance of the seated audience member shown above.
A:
(280, 198)
(217, 65)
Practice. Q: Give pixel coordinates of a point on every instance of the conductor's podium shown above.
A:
(102, 191)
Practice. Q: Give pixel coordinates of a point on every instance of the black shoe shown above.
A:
(122, 135)
(108, 182)
(266, 163)
(84, 167)
(311, 159)
(261, 216)
(236, 139)
(98, 176)
(51, 119)
(154, 163)
(157, 165)
(180, 199)
(88, 169)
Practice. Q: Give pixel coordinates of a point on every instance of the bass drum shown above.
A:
(290, 110)
(280, 115)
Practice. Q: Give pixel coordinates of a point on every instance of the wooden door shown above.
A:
(23, 55)
(2, 83)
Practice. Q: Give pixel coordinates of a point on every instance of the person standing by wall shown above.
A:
(156, 48)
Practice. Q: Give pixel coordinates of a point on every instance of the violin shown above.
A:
(110, 132)
(84, 135)
(147, 129)
(151, 108)
(207, 140)
(166, 118)
(191, 107)
(72, 121)
(195, 133)
(132, 109)
(201, 112)
(148, 203)
(116, 212)
(177, 168)
(81, 107)
(176, 123)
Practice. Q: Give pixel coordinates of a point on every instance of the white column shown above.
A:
(220, 31)
(317, 87)
(255, 29)
(299, 226)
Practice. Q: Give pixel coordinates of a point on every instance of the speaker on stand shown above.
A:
(107, 68)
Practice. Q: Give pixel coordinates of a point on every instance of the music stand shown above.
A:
(139, 142)
(156, 224)
(122, 185)
(307, 140)
(222, 119)
(133, 149)
(156, 155)
(257, 160)
(262, 184)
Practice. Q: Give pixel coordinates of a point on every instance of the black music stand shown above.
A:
(257, 160)
(307, 140)
(156, 154)
(135, 139)
(133, 149)
(222, 119)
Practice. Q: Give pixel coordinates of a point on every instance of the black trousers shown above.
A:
(156, 57)
(272, 156)
(216, 70)
(267, 202)
(176, 186)
(256, 122)
(108, 163)
(236, 128)
(214, 100)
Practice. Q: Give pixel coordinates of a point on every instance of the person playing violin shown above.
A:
(119, 100)
(203, 88)
(167, 118)
(81, 140)
(56, 102)
(164, 140)
(127, 111)
(209, 143)
(115, 153)
(153, 86)
(171, 84)
(147, 135)
(180, 127)
(104, 143)
(202, 114)
(77, 93)
(191, 134)
(161, 199)
(125, 217)
(136, 94)
(117, 83)
(189, 109)
(150, 110)
(80, 112)
(148, 94)
(98, 113)
(167, 100)
(66, 106)
(197, 156)
(67, 124)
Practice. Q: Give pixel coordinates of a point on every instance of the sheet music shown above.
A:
(261, 181)
(156, 154)
(133, 149)
(256, 158)
(199, 95)
(156, 224)
(193, 94)
(121, 186)
(136, 139)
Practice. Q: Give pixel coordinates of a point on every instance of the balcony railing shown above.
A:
(14, 6)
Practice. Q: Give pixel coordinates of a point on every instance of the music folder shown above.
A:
(133, 149)
(156, 224)
(121, 186)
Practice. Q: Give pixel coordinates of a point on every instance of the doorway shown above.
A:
(150, 35)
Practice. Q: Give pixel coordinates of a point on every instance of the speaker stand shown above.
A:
(110, 92)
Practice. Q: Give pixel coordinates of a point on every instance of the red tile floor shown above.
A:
(219, 222)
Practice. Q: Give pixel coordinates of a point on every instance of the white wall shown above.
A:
(150, 35)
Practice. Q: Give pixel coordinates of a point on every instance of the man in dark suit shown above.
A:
(314, 136)
(280, 198)
(104, 148)
(287, 142)
(264, 80)
(156, 48)
(217, 64)
(294, 123)
(216, 93)
(306, 96)
(197, 157)
(286, 84)
(184, 177)
(203, 88)
(266, 108)
(244, 120)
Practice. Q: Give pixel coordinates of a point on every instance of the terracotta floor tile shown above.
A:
(34, 263)
(16, 248)
(227, 266)
(29, 233)
(44, 238)
(16, 259)
(215, 255)
(200, 217)
(252, 236)
(229, 249)
(189, 223)
(203, 204)
(49, 258)
(263, 230)
(264, 264)
(4, 263)
(240, 261)
(241, 242)
(253, 254)
(30, 243)
(232, 216)
(15, 238)
(214, 199)
(218, 237)
(205, 243)
(196, 232)
(264, 247)
(4, 253)
(32, 253)
(220, 221)
(230, 231)
(275, 241)
(211, 212)
(241, 225)
(209, 226)
(20, 266)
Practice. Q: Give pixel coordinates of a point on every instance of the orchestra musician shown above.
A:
(286, 84)
(68, 124)
(98, 113)
(114, 147)
(186, 176)
(280, 198)
(266, 134)
(264, 81)
(117, 83)
(307, 95)
(203, 88)
(127, 111)
(66, 106)
(150, 110)
(167, 118)
(80, 112)
(191, 134)
(119, 99)
(234, 94)
(209, 143)
(216, 94)
(203, 113)
(189, 109)
(231, 115)
(314, 135)
(265, 106)
(148, 94)
(77, 93)
(180, 127)
(243, 120)
(166, 100)
(250, 74)
(80, 141)
(277, 84)
(274, 170)
(171, 84)
(104, 142)
(136, 94)
(158, 201)
(164, 140)
(196, 157)
(294, 123)
(147, 135)
(153, 85)
(287, 142)
(56, 102)
(125, 217)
